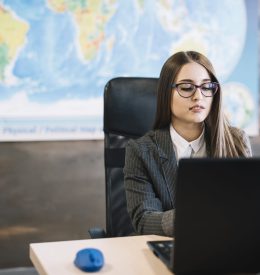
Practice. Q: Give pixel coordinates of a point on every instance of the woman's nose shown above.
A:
(198, 94)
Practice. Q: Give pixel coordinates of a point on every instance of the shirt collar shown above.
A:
(182, 143)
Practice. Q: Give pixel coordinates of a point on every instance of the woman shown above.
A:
(189, 123)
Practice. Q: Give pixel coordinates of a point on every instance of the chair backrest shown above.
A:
(129, 112)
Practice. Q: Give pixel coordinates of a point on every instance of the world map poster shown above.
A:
(57, 55)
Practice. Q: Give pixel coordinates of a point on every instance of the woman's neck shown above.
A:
(189, 132)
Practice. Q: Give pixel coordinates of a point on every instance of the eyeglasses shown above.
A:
(188, 89)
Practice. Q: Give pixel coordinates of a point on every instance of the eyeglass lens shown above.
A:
(188, 89)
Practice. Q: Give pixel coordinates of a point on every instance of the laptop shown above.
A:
(217, 221)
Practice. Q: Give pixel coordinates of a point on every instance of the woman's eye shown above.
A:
(186, 88)
(207, 87)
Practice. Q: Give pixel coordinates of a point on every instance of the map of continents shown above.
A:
(94, 15)
(57, 55)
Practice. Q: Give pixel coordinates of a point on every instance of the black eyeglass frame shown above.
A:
(176, 85)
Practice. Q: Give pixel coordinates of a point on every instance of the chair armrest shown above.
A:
(97, 233)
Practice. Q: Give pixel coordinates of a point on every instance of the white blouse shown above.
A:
(185, 149)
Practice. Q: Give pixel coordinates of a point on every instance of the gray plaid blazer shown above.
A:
(149, 178)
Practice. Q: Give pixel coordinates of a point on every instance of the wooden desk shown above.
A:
(124, 255)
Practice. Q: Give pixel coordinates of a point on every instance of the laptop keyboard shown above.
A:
(165, 247)
(162, 249)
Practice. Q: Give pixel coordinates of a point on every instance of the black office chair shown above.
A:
(129, 112)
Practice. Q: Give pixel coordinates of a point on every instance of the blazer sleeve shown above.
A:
(144, 207)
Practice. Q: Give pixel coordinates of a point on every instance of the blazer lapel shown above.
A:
(168, 160)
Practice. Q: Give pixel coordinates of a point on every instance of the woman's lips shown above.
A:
(197, 108)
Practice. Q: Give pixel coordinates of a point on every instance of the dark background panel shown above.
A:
(49, 191)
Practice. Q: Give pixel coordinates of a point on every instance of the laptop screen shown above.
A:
(217, 223)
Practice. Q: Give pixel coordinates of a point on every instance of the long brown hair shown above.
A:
(222, 140)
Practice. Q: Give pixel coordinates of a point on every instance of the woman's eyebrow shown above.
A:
(186, 80)
(190, 80)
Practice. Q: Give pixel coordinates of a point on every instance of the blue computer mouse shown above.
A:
(89, 259)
